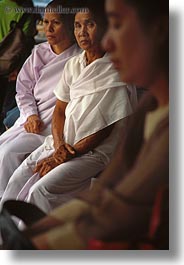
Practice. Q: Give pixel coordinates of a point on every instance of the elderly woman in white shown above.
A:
(91, 106)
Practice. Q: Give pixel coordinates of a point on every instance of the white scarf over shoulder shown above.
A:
(97, 98)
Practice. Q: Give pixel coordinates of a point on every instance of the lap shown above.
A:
(22, 143)
(71, 174)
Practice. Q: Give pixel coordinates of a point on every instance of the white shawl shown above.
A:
(97, 99)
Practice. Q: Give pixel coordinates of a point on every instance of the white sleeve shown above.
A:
(24, 87)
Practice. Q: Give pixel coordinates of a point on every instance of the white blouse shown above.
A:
(96, 99)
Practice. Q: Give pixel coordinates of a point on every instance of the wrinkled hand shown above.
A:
(64, 153)
(45, 165)
(33, 124)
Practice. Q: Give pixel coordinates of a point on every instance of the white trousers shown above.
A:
(15, 145)
(59, 185)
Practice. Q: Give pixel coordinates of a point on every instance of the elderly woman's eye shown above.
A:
(57, 22)
(91, 24)
(45, 22)
(77, 25)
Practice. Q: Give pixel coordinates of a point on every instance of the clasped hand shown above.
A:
(64, 153)
(33, 124)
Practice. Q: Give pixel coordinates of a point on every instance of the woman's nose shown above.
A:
(50, 27)
(83, 30)
(107, 42)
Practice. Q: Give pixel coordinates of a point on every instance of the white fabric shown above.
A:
(94, 110)
(97, 98)
(152, 120)
(58, 186)
(36, 82)
(22, 196)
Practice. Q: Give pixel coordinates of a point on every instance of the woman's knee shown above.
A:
(6, 153)
(36, 191)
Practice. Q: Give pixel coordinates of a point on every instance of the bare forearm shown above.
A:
(92, 141)
(57, 130)
(58, 123)
(85, 145)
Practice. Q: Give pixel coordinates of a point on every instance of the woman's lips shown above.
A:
(50, 37)
(84, 41)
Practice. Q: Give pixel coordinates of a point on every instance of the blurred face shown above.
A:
(85, 30)
(54, 29)
(131, 49)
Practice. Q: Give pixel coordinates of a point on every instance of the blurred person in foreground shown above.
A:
(119, 205)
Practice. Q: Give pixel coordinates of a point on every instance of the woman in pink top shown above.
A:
(35, 98)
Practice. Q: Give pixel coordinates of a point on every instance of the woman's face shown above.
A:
(54, 29)
(131, 49)
(85, 30)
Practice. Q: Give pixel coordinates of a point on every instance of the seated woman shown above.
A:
(119, 205)
(35, 98)
(91, 106)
